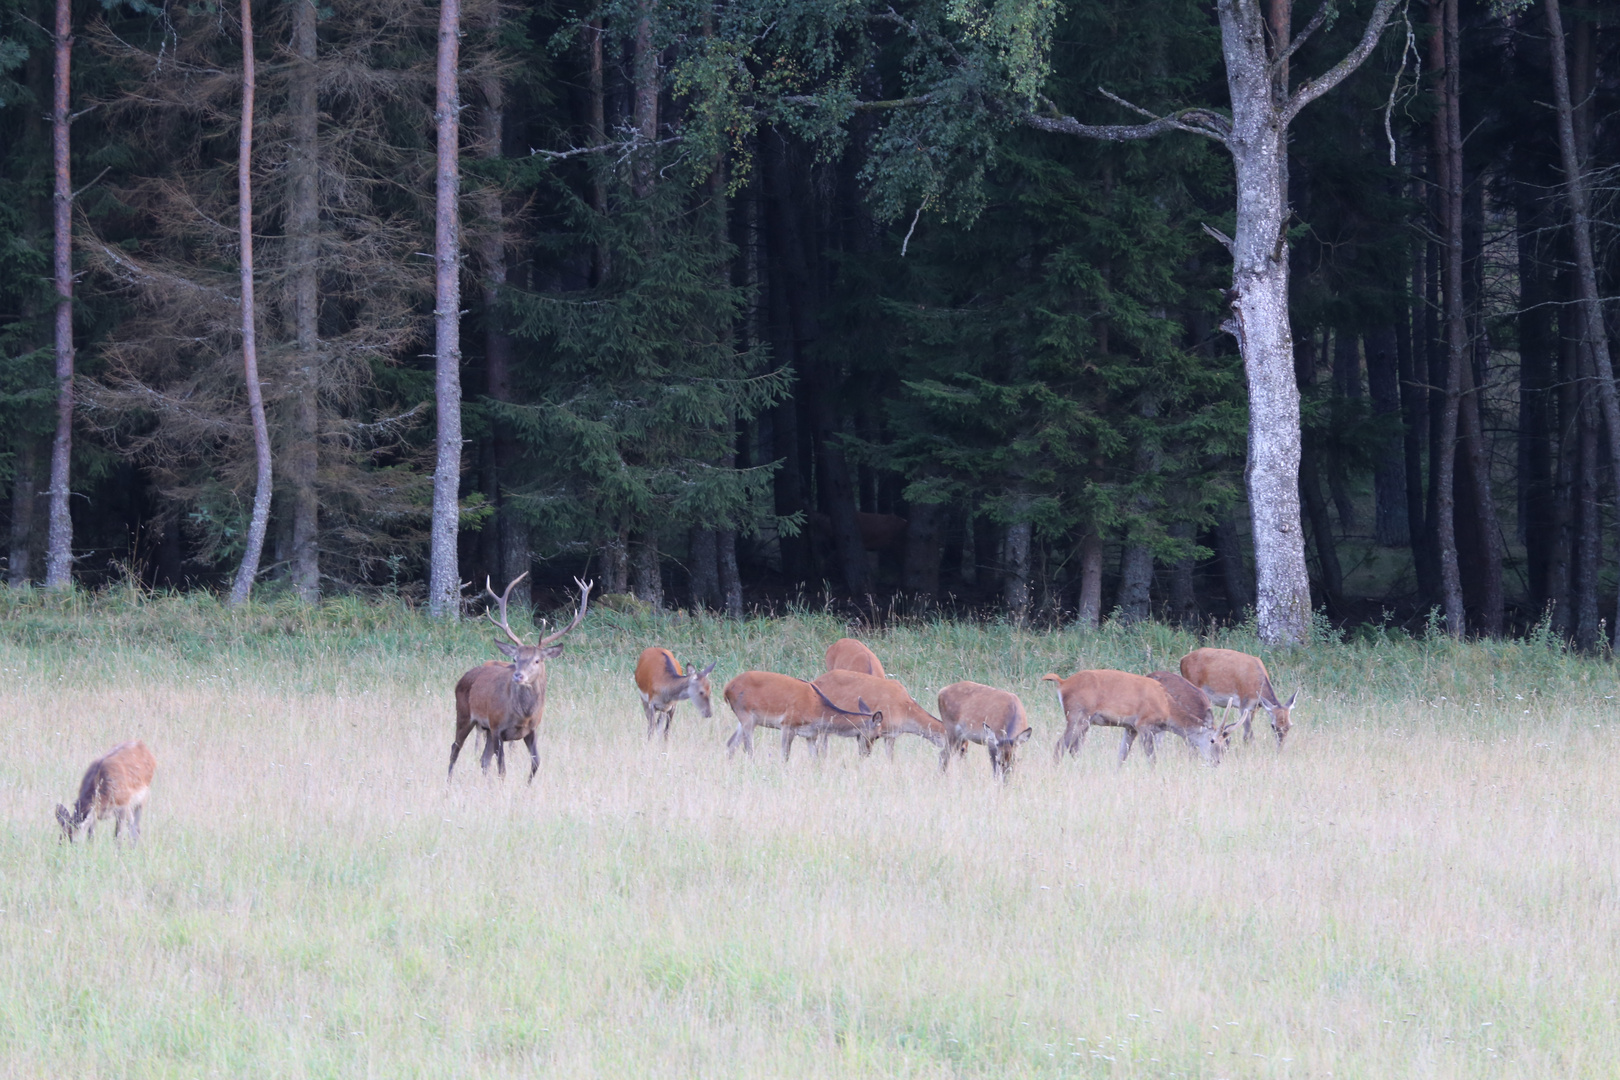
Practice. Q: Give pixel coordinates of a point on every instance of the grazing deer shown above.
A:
(662, 683)
(796, 708)
(847, 654)
(901, 714)
(973, 712)
(1136, 703)
(1236, 679)
(505, 700)
(115, 785)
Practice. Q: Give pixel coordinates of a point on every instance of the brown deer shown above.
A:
(1236, 679)
(901, 714)
(1136, 703)
(505, 700)
(115, 785)
(847, 654)
(973, 712)
(798, 709)
(662, 683)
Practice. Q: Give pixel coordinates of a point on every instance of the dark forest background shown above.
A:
(719, 352)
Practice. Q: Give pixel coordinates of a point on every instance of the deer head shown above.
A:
(529, 661)
(697, 685)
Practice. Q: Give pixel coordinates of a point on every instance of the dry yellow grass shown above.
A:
(1417, 887)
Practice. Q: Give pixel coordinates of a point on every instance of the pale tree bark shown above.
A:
(260, 521)
(1257, 55)
(1448, 139)
(59, 539)
(1580, 212)
(1091, 567)
(444, 578)
(303, 225)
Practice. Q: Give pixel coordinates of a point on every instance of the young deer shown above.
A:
(901, 714)
(505, 700)
(797, 708)
(1136, 703)
(973, 712)
(114, 786)
(847, 654)
(662, 683)
(1236, 679)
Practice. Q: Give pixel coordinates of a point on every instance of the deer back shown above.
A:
(772, 700)
(847, 654)
(971, 707)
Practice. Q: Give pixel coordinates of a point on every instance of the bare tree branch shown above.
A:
(1312, 89)
(1299, 39)
(1203, 122)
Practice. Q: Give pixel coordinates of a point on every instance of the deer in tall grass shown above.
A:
(1235, 679)
(662, 683)
(115, 785)
(973, 712)
(505, 700)
(798, 709)
(901, 714)
(847, 654)
(1138, 704)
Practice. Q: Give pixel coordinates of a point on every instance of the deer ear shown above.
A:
(704, 674)
(1023, 736)
(1291, 699)
(551, 652)
(506, 650)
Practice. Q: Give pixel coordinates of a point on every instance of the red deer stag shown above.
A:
(1136, 703)
(847, 654)
(115, 785)
(662, 683)
(1235, 679)
(901, 714)
(766, 699)
(973, 712)
(505, 700)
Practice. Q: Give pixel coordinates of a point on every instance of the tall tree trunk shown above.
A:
(645, 107)
(1449, 136)
(1389, 473)
(1347, 386)
(920, 571)
(1135, 581)
(303, 224)
(1536, 349)
(23, 498)
(596, 123)
(1015, 581)
(968, 563)
(1589, 519)
(1580, 212)
(725, 543)
(444, 584)
(1181, 604)
(616, 563)
(512, 531)
(1414, 356)
(1089, 616)
(59, 550)
(646, 570)
(1561, 559)
(704, 569)
(260, 521)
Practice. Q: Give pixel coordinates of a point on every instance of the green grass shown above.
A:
(1423, 884)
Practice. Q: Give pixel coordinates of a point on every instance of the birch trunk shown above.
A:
(1091, 567)
(59, 540)
(260, 522)
(444, 584)
(303, 224)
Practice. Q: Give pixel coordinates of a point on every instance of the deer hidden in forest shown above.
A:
(505, 700)
(1235, 679)
(662, 683)
(115, 785)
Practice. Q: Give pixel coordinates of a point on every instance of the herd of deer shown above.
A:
(505, 702)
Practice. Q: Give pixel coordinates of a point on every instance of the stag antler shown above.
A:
(584, 601)
(501, 600)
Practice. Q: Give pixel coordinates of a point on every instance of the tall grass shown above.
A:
(1423, 884)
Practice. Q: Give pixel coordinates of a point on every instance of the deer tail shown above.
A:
(1049, 677)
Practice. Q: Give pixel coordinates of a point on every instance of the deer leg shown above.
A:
(787, 742)
(500, 758)
(534, 755)
(1248, 721)
(1150, 743)
(1125, 744)
(489, 750)
(118, 824)
(462, 731)
(651, 714)
(135, 826)
(667, 718)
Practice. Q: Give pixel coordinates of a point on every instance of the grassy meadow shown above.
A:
(1426, 883)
